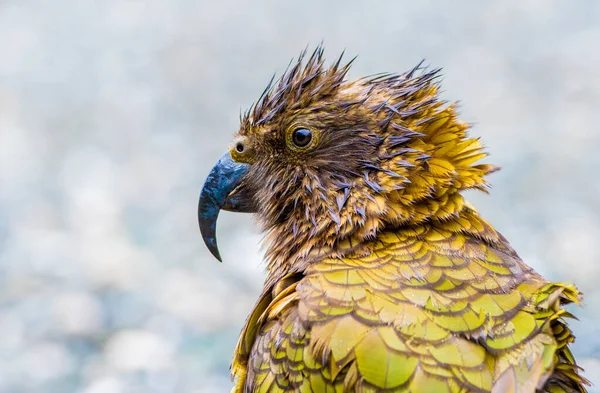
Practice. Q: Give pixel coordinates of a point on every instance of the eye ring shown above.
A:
(301, 137)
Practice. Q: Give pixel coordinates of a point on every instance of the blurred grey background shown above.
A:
(113, 112)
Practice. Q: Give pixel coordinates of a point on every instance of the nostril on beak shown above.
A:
(242, 150)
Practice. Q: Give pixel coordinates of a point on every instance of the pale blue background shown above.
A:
(112, 113)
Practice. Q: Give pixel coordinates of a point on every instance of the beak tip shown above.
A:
(214, 249)
(208, 230)
(216, 254)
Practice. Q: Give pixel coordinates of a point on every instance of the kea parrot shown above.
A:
(381, 277)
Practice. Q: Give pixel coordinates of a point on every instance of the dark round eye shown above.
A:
(301, 137)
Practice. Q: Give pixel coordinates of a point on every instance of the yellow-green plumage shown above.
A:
(381, 277)
(404, 314)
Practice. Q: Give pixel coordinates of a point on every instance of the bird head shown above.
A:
(326, 163)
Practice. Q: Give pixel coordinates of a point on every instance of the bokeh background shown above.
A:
(113, 112)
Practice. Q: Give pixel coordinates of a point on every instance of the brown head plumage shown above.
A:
(381, 151)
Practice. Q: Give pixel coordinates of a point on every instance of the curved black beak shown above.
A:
(221, 191)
